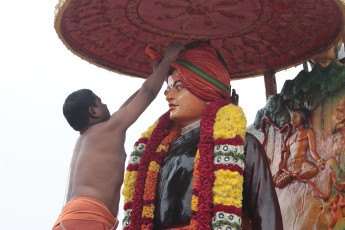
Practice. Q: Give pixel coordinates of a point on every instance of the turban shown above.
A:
(202, 72)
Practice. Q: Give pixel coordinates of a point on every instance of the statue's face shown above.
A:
(185, 108)
(340, 112)
(296, 119)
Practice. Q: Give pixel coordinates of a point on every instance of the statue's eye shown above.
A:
(178, 87)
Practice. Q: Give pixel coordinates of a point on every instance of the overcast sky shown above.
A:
(37, 72)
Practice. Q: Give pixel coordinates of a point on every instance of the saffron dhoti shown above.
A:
(83, 213)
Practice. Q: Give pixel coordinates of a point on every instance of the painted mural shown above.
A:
(303, 131)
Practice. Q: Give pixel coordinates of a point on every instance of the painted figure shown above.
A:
(193, 168)
(297, 147)
(338, 131)
(97, 166)
(339, 118)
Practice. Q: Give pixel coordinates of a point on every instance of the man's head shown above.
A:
(82, 108)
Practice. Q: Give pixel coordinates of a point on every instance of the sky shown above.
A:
(37, 72)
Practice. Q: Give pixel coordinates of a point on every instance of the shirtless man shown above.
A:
(97, 165)
(298, 145)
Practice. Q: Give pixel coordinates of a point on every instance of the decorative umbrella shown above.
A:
(253, 36)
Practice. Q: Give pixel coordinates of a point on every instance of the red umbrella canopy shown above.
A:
(253, 36)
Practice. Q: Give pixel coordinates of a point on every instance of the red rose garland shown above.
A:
(155, 139)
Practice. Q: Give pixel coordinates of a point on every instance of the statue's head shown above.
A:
(198, 77)
(300, 117)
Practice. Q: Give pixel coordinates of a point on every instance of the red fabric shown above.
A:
(155, 56)
(253, 36)
(85, 213)
(205, 58)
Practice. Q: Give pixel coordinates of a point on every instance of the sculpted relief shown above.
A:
(307, 148)
(339, 117)
(338, 128)
(297, 147)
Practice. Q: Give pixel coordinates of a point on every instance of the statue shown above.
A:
(339, 117)
(196, 167)
(338, 131)
(297, 147)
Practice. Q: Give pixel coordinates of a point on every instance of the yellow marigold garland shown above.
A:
(230, 121)
(149, 131)
(129, 183)
(227, 188)
(229, 132)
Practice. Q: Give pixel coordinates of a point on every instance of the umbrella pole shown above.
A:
(270, 83)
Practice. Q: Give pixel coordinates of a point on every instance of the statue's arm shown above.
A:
(260, 202)
(286, 157)
(311, 139)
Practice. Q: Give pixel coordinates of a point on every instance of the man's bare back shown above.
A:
(97, 166)
(98, 161)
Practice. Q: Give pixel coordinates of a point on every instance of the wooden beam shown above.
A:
(270, 83)
(305, 66)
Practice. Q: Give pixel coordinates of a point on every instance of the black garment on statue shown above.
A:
(175, 179)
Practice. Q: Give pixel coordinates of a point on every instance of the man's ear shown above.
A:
(93, 112)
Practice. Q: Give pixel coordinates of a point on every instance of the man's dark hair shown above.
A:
(76, 108)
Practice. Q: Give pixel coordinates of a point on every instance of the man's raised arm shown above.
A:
(140, 100)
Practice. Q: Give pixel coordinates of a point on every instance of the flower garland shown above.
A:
(216, 199)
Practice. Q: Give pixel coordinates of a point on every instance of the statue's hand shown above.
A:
(321, 163)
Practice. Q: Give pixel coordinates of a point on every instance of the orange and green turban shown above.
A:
(202, 72)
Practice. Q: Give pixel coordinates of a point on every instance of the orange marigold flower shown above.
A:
(150, 185)
(193, 224)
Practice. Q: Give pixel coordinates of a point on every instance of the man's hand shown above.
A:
(173, 51)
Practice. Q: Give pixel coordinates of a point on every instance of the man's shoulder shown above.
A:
(309, 131)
